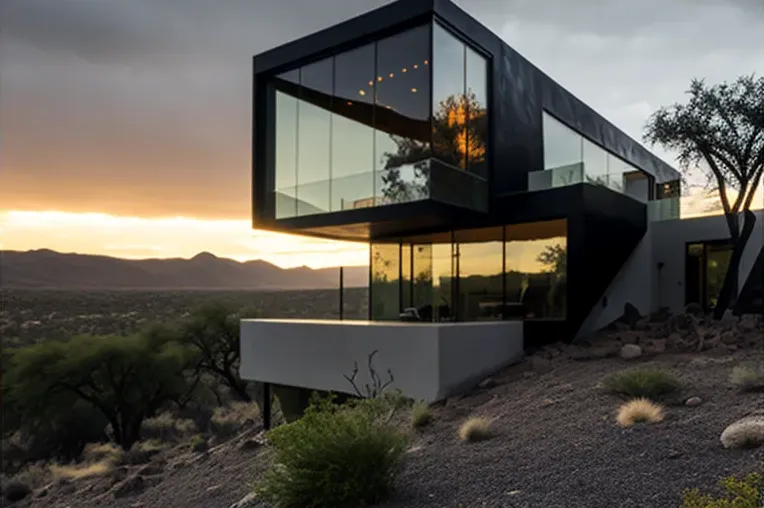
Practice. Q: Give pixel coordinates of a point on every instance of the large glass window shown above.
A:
(314, 137)
(536, 257)
(480, 266)
(352, 130)
(477, 113)
(286, 155)
(449, 124)
(402, 118)
(356, 129)
(595, 164)
(385, 277)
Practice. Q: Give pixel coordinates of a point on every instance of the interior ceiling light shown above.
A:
(379, 78)
(361, 92)
(404, 70)
(413, 90)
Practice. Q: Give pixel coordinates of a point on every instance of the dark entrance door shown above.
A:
(706, 265)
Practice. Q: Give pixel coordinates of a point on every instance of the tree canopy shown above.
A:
(720, 130)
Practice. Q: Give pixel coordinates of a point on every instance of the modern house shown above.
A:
(496, 204)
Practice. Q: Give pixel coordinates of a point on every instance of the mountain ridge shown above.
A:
(49, 269)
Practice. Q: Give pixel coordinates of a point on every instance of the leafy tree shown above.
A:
(127, 379)
(555, 258)
(721, 130)
(459, 130)
(213, 333)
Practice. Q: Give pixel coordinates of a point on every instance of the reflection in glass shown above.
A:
(385, 266)
(313, 159)
(449, 127)
(286, 156)
(636, 184)
(403, 184)
(477, 114)
(536, 269)
(595, 164)
(480, 253)
(443, 271)
(352, 129)
(616, 167)
(402, 113)
(421, 255)
(562, 145)
(407, 289)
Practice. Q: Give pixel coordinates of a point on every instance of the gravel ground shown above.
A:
(556, 445)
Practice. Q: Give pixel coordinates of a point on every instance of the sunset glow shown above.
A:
(168, 237)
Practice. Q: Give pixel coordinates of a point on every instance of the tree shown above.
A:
(127, 379)
(213, 333)
(555, 259)
(720, 130)
(459, 131)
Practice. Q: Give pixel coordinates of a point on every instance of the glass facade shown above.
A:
(517, 271)
(569, 158)
(361, 128)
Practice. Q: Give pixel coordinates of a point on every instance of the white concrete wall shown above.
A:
(669, 241)
(639, 281)
(428, 361)
(633, 284)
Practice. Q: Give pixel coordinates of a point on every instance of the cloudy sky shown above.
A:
(115, 113)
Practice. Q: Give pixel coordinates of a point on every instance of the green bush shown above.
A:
(199, 444)
(652, 384)
(748, 378)
(745, 493)
(335, 456)
(421, 415)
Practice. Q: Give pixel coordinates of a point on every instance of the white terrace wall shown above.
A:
(641, 284)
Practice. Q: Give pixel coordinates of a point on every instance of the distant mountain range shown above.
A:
(47, 269)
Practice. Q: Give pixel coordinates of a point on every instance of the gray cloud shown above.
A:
(143, 106)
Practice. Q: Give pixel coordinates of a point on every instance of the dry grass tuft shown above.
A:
(475, 428)
(745, 433)
(166, 427)
(151, 445)
(421, 415)
(748, 378)
(80, 471)
(97, 452)
(227, 421)
(640, 410)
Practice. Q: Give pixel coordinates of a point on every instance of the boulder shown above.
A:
(631, 351)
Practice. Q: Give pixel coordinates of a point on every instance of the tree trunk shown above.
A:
(729, 286)
(238, 387)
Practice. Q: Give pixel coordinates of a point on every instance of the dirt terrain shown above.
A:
(556, 444)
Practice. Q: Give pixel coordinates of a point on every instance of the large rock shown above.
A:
(631, 351)
(747, 432)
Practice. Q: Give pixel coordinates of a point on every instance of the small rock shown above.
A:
(674, 454)
(487, 383)
(631, 351)
(250, 444)
(693, 402)
(214, 488)
(149, 470)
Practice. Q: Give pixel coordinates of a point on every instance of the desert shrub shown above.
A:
(745, 433)
(639, 411)
(199, 444)
(474, 429)
(97, 452)
(227, 420)
(335, 456)
(421, 415)
(653, 384)
(165, 427)
(81, 471)
(748, 377)
(745, 493)
(150, 445)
